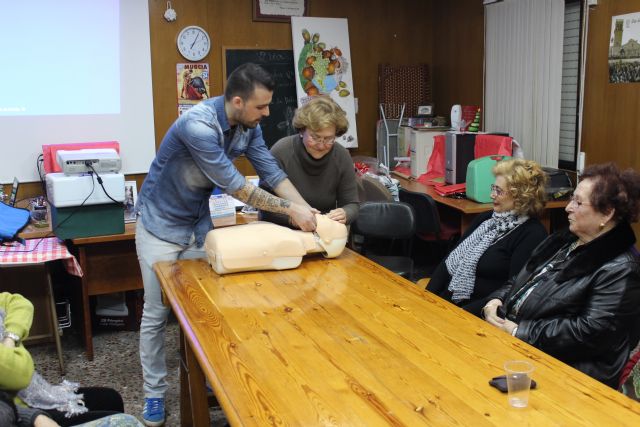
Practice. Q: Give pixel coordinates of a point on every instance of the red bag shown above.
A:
(491, 145)
(436, 165)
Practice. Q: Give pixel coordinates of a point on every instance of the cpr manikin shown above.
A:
(267, 246)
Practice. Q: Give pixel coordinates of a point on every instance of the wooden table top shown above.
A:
(463, 205)
(345, 342)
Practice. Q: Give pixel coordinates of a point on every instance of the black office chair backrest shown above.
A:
(426, 211)
(381, 224)
(371, 190)
(386, 220)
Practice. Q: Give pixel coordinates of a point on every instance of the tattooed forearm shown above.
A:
(260, 199)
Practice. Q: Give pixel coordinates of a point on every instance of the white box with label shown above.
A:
(421, 146)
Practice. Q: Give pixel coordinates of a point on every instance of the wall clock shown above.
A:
(193, 43)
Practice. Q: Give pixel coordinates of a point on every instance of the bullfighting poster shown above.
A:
(624, 49)
(192, 81)
(322, 59)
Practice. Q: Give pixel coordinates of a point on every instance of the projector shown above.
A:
(99, 160)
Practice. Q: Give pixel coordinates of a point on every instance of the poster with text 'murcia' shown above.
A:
(322, 58)
(192, 83)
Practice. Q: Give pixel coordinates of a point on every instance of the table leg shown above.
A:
(54, 320)
(197, 393)
(185, 398)
(86, 306)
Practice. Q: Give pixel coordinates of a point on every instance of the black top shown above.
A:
(500, 262)
(585, 309)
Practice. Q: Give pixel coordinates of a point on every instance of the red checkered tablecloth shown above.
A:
(37, 251)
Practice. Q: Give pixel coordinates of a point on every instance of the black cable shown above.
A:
(52, 232)
(39, 164)
(88, 164)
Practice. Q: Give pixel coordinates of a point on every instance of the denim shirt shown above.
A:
(195, 155)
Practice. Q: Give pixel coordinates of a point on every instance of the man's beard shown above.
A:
(247, 125)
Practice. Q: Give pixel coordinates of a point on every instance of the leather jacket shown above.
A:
(585, 309)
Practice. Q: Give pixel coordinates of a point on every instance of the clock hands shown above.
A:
(195, 40)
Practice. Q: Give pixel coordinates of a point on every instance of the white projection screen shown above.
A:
(74, 71)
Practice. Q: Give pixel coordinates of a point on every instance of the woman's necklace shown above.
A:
(573, 246)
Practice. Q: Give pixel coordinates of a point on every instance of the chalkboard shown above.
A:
(278, 62)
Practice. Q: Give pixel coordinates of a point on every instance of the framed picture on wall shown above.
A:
(130, 198)
(279, 10)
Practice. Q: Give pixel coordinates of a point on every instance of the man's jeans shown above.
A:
(150, 250)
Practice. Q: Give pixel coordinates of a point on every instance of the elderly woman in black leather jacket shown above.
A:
(578, 297)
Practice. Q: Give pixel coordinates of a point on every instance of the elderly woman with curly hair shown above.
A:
(578, 297)
(497, 243)
(321, 170)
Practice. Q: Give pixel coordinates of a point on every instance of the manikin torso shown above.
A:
(267, 246)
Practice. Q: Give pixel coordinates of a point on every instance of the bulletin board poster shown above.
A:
(624, 49)
(192, 82)
(322, 59)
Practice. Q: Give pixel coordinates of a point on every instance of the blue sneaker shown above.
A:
(153, 412)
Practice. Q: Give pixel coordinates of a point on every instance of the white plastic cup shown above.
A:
(518, 382)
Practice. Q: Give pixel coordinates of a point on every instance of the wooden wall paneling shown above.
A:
(458, 54)
(611, 110)
(379, 31)
(610, 125)
(165, 56)
(397, 32)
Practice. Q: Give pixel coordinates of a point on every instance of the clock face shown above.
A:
(193, 43)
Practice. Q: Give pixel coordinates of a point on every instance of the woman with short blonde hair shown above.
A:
(525, 181)
(497, 243)
(318, 166)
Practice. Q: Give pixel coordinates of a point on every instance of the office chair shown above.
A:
(381, 224)
(371, 190)
(429, 225)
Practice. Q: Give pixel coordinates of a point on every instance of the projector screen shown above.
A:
(74, 71)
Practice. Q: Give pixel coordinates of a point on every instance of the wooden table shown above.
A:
(468, 209)
(346, 342)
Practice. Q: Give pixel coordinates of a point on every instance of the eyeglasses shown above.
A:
(577, 201)
(327, 140)
(495, 189)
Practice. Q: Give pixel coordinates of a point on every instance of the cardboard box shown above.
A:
(129, 322)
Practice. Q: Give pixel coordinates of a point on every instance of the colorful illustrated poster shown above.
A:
(192, 81)
(322, 59)
(624, 49)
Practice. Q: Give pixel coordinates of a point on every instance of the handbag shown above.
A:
(12, 220)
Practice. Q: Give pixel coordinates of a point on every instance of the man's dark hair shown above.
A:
(244, 79)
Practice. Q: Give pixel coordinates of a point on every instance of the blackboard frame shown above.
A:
(285, 100)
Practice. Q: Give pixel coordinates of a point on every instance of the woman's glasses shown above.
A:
(327, 140)
(497, 190)
(576, 201)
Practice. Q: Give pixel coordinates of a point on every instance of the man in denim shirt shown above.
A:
(196, 154)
